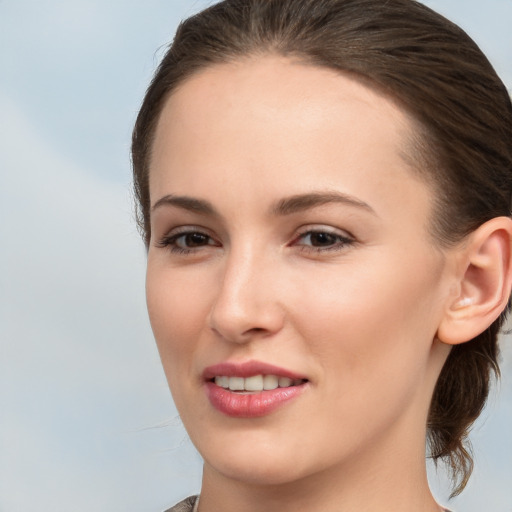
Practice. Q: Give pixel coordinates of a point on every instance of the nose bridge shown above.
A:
(246, 301)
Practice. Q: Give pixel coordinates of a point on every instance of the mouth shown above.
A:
(251, 389)
(255, 383)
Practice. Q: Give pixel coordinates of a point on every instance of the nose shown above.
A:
(247, 304)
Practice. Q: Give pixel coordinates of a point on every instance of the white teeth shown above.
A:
(222, 381)
(255, 382)
(285, 382)
(236, 383)
(270, 382)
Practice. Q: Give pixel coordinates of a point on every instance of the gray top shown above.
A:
(191, 503)
(187, 505)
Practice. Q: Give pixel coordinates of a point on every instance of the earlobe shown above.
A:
(484, 282)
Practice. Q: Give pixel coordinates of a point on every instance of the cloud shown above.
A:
(81, 372)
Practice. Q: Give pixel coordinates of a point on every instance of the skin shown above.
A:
(357, 314)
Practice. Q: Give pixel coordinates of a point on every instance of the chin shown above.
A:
(259, 472)
(257, 457)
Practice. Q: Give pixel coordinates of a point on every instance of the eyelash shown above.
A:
(170, 241)
(339, 243)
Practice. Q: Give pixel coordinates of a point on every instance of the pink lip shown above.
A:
(248, 369)
(250, 405)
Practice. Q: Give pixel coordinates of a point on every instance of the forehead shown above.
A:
(273, 121)
(272, 87)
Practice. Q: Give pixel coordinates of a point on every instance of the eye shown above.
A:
(185, 242)
(323, 240)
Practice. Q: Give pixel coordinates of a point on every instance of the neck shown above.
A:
(388, 476)
(317, 495)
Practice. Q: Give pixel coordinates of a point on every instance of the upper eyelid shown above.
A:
(319, 228)
(179, 231)
(343, 240)
(183, 230)
(298, 232)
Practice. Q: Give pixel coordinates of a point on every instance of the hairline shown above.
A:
(413, 151)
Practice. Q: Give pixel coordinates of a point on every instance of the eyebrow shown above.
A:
(187, 203)
(285, 206)
(300, 202)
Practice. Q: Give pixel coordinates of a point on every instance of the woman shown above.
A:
(324, 191)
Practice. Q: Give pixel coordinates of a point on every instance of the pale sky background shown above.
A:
(86, 420)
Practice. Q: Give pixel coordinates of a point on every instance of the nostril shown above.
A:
(255, 332)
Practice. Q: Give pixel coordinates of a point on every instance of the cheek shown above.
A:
(367, 333)
(177, 310)
(373, 349)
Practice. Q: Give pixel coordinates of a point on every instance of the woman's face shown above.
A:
(290, 248)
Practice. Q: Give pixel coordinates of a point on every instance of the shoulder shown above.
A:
(187, 505)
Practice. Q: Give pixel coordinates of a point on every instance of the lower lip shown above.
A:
(250, 405)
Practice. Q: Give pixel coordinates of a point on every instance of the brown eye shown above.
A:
(187, 241)
(318, 240)
(190, 240)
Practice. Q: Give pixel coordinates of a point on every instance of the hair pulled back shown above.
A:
(463, 144)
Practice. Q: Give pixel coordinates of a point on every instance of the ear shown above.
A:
(484, 281)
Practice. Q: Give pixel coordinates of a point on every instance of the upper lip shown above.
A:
(248, 369)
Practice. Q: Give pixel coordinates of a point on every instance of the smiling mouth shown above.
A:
(251, 389)
(255, 383)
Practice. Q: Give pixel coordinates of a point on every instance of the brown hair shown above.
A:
(463, 145)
